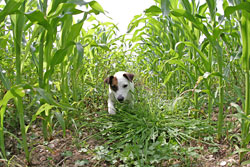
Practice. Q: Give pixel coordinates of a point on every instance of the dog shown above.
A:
(121, 88)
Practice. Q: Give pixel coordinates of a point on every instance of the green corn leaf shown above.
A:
(39, 18)
(103, 46)
(179, 62)
(186, 5)
(42, 108)
(199, 25)
(80, 52)
(203, 57)
(225, 5)
(241, 116)
(4, 79)
(75, 31)
(247, 162)
(78, 2)
(202, 9)
(61, 121)
(60, 55)
(242, 150)
(65, 8)
(49, 99)
(165, 7)
(242, 6)
(212, 7)
(154, 10)
(96, 7)
(168, 76)
(16, 91)
(208, 74)
(238, 108)
(10, 8)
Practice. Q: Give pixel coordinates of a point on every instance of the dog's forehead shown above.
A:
(120, 77)
(119, 74)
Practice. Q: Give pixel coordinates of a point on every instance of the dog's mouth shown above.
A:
(120, 101)
(120, 98)
(123, 101)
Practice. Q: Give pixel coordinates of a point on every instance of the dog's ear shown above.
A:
(129, 76)
(108, 80)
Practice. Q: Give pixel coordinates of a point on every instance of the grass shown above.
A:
(151, 132)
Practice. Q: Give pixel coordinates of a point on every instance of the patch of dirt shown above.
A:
(72, 151)
(59, 151)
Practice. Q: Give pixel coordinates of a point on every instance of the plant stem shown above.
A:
(18, 29)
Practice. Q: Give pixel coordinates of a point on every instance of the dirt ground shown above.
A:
(68, 152)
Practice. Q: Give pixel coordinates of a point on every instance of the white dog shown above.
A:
(120, 87)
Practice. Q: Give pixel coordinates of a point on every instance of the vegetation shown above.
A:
(192, 98)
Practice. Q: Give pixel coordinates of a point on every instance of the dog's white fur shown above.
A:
(121, 87)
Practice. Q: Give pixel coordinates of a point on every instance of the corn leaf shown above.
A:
(96, 7)
(242, 6)
(4, 79)
(165, 7)
(10, 8)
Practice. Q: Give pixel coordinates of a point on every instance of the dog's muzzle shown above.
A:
(120, 98)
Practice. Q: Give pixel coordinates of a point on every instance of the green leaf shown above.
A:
(238, 108)
(4, 79)
(64, 8)
(225, 4)
(80, 52)
(247, 162)
(165, 4)
(208, 74)
(55, 4)
(199, 25)
(186, 5)
(42, 108)
(96, 6)
(203, 57)
(78, 2)
(202, 9)
(67, 153)
(75, 31)
(154, 10)
(61, 121)
(242, 150)
(39, 18)
(10, 8)
(48, 98)
(103, 46)
(212, 8)
(168, 77)
(242, 6)
(60, 55)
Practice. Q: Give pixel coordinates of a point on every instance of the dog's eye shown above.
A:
(124, 86)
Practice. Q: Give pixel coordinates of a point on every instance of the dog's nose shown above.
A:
(120, 98)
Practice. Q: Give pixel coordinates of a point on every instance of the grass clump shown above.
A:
(150, 133)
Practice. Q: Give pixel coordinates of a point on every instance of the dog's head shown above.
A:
(120, 84)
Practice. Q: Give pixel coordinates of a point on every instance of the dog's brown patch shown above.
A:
(114, 84)
(129, 76)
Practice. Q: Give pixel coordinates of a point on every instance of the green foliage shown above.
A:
(149, 133)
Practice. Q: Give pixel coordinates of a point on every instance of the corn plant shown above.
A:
(44, 30)
(245, 38)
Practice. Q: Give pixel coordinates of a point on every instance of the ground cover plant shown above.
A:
(191, 66)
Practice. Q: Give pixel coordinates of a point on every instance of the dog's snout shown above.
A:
(120, 98)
